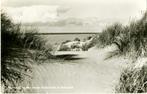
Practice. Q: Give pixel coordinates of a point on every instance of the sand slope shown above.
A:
(90, 75)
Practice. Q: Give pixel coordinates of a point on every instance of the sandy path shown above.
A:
(90, 75)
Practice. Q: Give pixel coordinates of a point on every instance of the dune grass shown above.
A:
(131, 41)
(16, 53)
(133, 80)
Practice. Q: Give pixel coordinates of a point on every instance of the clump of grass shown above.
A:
(131, 40)
(13, 66)
(16, 58)
(133, 80)
(109, 34)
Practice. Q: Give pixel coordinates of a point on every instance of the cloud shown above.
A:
(56, 10)
(32, 14)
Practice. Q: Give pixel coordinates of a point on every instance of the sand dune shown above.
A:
(90, 75)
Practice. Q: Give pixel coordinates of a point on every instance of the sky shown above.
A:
(30, 11)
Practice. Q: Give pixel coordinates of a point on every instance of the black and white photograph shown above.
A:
(73, 46)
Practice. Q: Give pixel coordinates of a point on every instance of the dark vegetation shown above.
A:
(17, 54)
(131, 41)
(133, 80)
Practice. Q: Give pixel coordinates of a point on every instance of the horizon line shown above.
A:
(60, 33)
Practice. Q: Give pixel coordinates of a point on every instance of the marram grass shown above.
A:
(16, 57)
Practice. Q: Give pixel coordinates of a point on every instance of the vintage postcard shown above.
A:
(73, 46)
